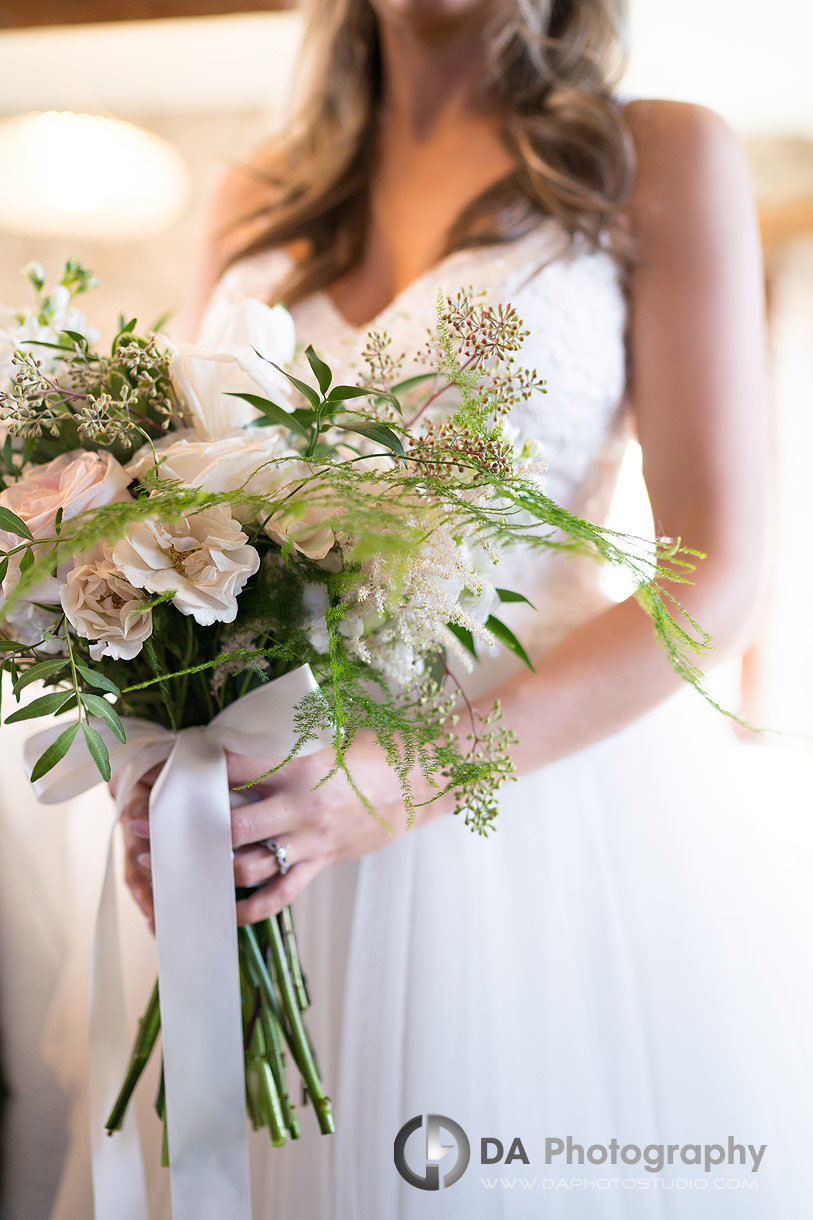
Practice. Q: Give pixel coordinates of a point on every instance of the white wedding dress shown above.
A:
(627, 957)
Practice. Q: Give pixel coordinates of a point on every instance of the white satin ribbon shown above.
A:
(196, 935)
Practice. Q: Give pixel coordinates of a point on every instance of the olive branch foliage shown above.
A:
(463, 466)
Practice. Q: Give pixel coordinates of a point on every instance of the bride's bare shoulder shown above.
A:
(242, 200)
(689, 164)
(236, 214)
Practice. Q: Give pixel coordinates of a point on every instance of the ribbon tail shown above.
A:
(201, 1019)
(119, 1185)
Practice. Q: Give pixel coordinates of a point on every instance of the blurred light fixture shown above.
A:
(84, 175)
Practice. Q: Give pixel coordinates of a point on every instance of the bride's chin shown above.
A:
(434, 16)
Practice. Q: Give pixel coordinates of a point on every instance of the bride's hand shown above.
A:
(322, 826)
(135, 823)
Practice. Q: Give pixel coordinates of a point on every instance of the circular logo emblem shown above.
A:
(427, 1176)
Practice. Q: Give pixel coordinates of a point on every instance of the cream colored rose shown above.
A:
(307, 531)
(301, 521)
(224, 359)
(257, 465)
(204, 557)
(99, 604)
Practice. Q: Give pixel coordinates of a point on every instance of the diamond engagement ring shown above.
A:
(280, 850)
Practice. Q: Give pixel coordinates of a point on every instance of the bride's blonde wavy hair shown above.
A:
(554, 67)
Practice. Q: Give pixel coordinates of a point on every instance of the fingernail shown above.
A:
(140, 827)
(145, 860)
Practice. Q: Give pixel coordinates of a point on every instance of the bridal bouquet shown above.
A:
(182, 530)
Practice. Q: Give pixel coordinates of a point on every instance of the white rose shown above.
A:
(203, 557)
(224, 361)
(98, 603)
(220, 465)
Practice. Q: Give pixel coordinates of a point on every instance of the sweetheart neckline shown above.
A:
(323, 297)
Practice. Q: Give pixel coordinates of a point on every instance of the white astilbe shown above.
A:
(236, 641)
(398, 615)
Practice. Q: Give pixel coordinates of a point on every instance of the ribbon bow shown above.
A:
(199, 980)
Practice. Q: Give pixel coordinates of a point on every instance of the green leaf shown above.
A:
(382, 396)
(410, 382)
(124, 330)
(321, 371)
(26, 559)
(305, 389)
(58, 519)
(97, 680)
(56, 750)
(98, 706)
(76, 337)
(306, 417)
(57, 347)
(286, 419)
(3, 567)
(161, 321)
(506, 637)
(465, 637)
(508, 595)
(98, 751)
(376, 432)
(46, 705)
(341, 392)
(13, 524)
(38, 672)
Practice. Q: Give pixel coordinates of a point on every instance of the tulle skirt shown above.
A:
(625, 963)
(628, 957)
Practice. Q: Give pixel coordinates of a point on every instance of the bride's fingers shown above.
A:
(277, 894)
(256, 862)
(140, 888)
(265, 819)
(137, 808)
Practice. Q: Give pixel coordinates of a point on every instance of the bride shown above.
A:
(610, 998)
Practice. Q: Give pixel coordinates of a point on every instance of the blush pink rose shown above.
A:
(74, 482)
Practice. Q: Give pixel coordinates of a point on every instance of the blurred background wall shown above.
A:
(209, 87)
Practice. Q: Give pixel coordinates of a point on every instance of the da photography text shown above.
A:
(419, 1161)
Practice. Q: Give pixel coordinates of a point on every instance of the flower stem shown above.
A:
(257, 1006)
(295, 1032)
(286, 919)
(274, 1053)
(148, 1027)
(267, 1093)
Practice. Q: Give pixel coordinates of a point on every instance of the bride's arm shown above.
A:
(696, 349)
(697, 364)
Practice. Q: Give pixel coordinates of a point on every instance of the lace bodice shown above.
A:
(574, 307)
